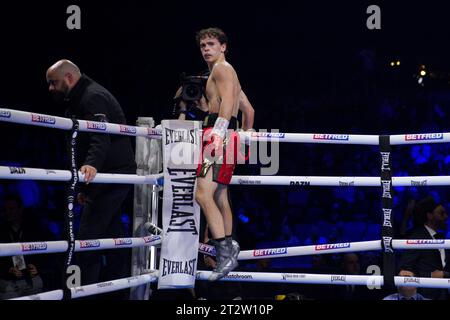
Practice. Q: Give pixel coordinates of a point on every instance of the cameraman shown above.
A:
(191, 110)
(190, 101)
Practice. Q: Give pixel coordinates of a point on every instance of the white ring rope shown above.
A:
(94, 289)
(42, 120)
(15, 173)
(330, 279)
(32, 248)
(348, 139)
(283, 252)
(51, 295)
(335, 279)
(423, 181)
(299, 278)
(28, 118)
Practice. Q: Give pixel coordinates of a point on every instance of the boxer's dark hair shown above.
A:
(213, 33)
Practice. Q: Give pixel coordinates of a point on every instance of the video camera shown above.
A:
(192, 87)
(192, 90)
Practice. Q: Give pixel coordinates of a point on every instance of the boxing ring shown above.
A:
(387, 244)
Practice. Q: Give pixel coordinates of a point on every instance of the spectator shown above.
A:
(430, 218)
(21, 275)
(350, 265)
(406, 293)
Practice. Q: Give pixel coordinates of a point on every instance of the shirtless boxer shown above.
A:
(225, 99)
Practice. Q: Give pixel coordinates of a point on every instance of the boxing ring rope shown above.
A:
(45, 247)
(330, 279)
(284, 252)
(94, 289)
(42, 120)
(349, 139)
(120, 284)
(297, 278)
(421, 181)
(50, 295)
(16, 173)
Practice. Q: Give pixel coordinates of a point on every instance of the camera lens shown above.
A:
(192, 91)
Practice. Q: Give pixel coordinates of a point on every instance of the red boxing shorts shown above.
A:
(222, 164)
